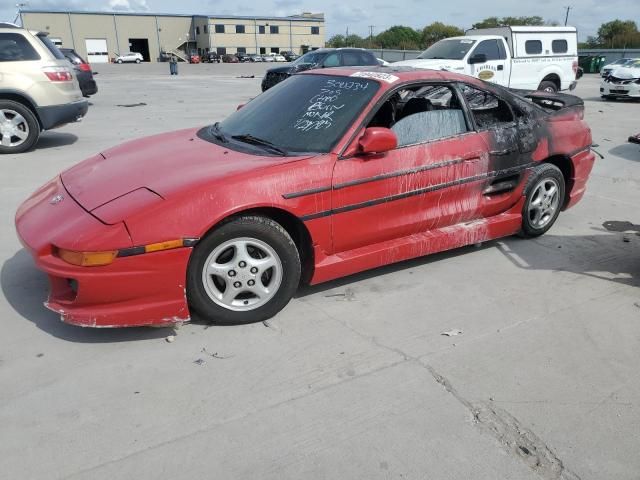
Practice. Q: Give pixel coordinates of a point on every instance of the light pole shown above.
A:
(19, 13)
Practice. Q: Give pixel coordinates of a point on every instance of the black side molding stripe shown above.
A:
(420, 191)
(303, 193)
(399, 173)
(376, 178)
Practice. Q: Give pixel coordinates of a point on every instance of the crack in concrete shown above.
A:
(514, 437)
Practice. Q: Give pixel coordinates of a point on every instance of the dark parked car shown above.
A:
(211, 57)
(242, 57)
(322, 58)
(228, 58)
(290, 56)
(83, 71)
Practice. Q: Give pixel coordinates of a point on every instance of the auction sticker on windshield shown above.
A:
(386, 77)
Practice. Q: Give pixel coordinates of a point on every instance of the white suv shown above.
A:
(130, 57)
(38, 89)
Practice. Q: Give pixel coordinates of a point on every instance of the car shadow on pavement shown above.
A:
(612, 255)
(628, 151)
(55, 139)
(306, 290)
(26, 288)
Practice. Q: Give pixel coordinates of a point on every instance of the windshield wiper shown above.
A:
(250, 139)
(215, 130)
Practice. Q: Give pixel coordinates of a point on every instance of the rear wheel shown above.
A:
(244, 271)
(548, 86)
(544, 199)
(137, 60)
(19, 128)
(119, 60)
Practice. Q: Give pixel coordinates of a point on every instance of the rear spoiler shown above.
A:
(548, 100)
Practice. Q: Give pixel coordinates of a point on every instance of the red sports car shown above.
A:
(329, 173)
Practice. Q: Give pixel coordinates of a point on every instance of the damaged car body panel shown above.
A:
(369, 166)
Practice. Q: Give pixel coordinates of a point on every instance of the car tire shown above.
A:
(606, 97)
(241, 251)
(548, 86)
(28, 123)
(544, 198)
(137, 60)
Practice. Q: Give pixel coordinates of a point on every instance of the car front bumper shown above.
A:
(626, 90)
(57, 115)
(139, 290)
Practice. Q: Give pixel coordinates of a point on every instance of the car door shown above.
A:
(423, 184)
(494, 69)
(509, 145)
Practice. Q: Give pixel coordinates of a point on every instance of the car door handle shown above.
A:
(473, 156)
(502, 153)
(500, 67)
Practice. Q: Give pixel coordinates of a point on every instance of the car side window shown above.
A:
(420, 114)
(16, 48)
(487, 109)
(331, 60)
(491, 49)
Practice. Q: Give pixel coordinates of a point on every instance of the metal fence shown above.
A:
(611, 55)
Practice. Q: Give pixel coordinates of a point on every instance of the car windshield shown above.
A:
(622, 61)
(454, 49)
(310, 57)
(305, 113)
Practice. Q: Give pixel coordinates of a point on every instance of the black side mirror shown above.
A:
(303, 66)
(478, 58)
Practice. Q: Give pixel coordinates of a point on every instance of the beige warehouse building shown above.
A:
(99, 36)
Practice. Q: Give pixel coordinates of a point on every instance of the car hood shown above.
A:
(626, 73)
(157, 167)
(432, 63)
(286, 69)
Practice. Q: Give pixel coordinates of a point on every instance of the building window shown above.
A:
(241, 50)
(261, 29)
(221, 50)
(559, 46)
(263, 50)
(533, 47)
(219, 28)
(275, 49)
(239, 28)
(205, 29)
(197, 30)
(274, 29)
(315, 30)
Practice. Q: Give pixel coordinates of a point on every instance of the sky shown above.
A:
(358, 15)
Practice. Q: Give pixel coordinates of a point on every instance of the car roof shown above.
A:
(403, 74)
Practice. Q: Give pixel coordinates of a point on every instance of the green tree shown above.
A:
(493, 22)
(352, 40)
(437, 31)
(399, 37)
(619, 34)
(336, 41)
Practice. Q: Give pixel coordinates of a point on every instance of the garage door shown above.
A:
(97, 50)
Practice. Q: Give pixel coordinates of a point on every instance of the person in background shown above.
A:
(173, 65)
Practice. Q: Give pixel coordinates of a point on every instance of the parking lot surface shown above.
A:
(354, 378)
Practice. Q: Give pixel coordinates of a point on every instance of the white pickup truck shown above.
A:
(528, 58)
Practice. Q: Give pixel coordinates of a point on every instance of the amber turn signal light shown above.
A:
(168, 245)
(86, 259)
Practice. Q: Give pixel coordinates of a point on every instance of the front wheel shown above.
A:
(548, 86)
(244, 271)
(544, 198)
(137, 60)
